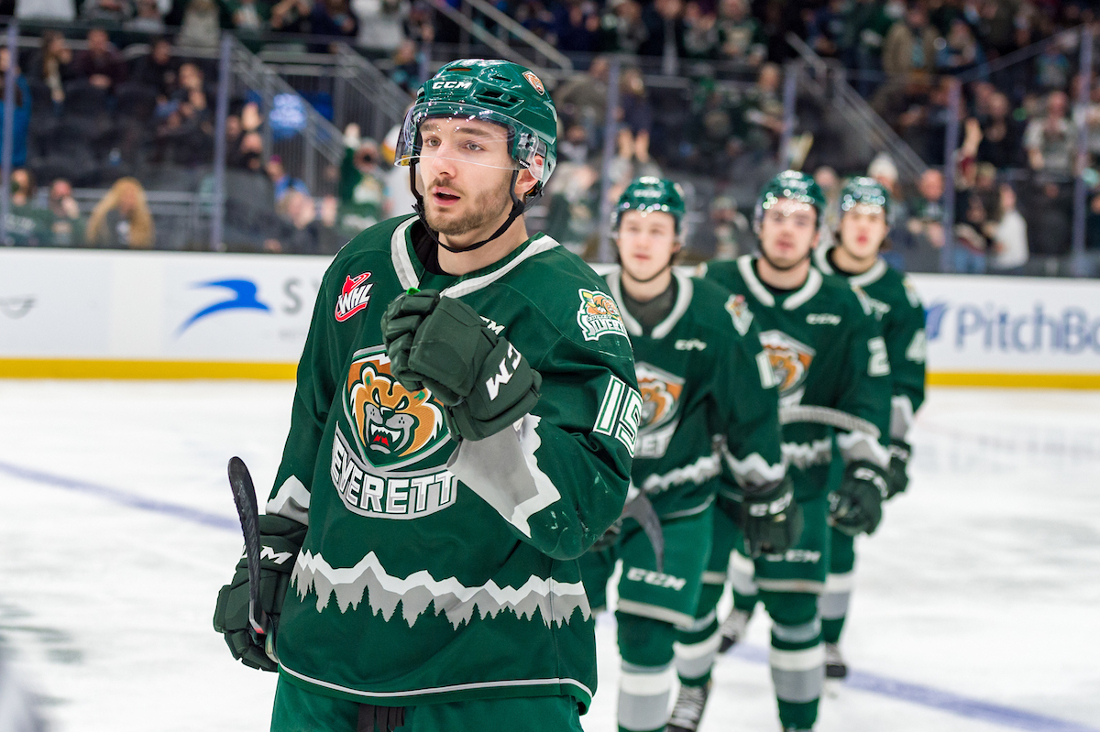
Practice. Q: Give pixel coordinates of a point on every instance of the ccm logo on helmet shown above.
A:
(452, 84)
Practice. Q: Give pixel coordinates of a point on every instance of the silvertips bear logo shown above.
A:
(599, 316)
(354, 296)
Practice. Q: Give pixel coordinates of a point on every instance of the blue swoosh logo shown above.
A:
(244, 298)
(933, 319)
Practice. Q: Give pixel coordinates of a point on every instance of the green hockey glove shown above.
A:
(772, 520)
(280, 540)
(856, 505)
(399, 324)
(899, 463)
(505, 389)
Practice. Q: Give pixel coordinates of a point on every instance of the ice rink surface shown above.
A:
(976, 608)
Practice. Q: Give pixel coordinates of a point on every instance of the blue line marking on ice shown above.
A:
(946, 701)
(123, 498)
(925, 696)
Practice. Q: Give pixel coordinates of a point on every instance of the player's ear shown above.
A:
(526, 180)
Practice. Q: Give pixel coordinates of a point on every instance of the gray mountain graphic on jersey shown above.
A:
(556, 601)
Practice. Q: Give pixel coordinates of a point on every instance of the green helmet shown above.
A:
(795, 186)
(863, 190)
(650, 193)
(500, 92)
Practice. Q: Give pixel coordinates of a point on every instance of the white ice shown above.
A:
(983, 582)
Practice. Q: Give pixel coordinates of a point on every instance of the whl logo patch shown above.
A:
(354, 296)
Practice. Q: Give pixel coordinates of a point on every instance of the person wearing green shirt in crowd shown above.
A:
(362, 188)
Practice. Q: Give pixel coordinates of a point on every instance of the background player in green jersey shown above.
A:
(864, 222)
(828, 356)
(461, 432)
(702, 373)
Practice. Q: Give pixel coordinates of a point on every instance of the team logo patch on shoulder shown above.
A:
(599, 316)
(354, 296)
(534, 81)
(393, 426)
(739, 310)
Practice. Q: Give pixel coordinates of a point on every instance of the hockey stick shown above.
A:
(641, 510)
(827, 416)
(244, 497)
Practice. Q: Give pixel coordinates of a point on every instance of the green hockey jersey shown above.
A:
(702, 374)
(826, 350)
(439, 571)
(896, 303)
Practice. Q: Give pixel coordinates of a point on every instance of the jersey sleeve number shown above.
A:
(879, 365)
(620, 413)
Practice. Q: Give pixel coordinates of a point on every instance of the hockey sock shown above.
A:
(697, 646)
(797, 656)
(645, 686)
(838, 585)
(742, 573)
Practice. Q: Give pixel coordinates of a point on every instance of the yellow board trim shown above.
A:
(1016, 381)
(29, 368)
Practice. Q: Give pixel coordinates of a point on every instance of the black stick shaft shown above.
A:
(244, 496)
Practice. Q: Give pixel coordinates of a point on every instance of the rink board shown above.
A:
(164, 315)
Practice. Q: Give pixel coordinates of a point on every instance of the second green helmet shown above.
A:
(793, 185)
(650, 193)
(866, 191)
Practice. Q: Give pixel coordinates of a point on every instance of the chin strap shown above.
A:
(516, 212)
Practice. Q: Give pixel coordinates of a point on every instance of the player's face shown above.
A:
(647, 241)
(788, 232)
(862, 230)
(465, 171)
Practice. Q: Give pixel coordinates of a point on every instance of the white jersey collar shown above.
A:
(871, 276)
(684, 291)
(795, 300)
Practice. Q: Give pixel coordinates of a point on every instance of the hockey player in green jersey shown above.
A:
(702, 374)
(461, 432)
(828, 356)
(864, 216)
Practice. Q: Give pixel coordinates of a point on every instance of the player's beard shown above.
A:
(481, 211)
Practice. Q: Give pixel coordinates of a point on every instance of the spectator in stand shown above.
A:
(333, 18)
(407, 60)
(1052, 69)
(282, 180)
(624, 30)
(147, 19)
(729, 234)
(52, 64)
(1009, 248)
(739, 34)
(67, 225)
(632, 161)
(885, 171)
(868, 25)
(1089, 116)
(121, 220)
(301, 231)
(910, 44)
(251, 16)
(763, 111)
(573, 216)
(201, 24)
(21, 114)
(829, 183)
(583, 99)
(962, 51)
(576, 27)
(1049, 216)
(1050, 139)
(106, 11)
(362, 187)
(27, 225)
(1092, 224)
(158, 70)
(573, 147)
(101, 64)
(291, 16)
(664, 18)
(826, 27)
(926, 223)
(700, 32)
(186, 134)
(1001, 135)
(637, 114)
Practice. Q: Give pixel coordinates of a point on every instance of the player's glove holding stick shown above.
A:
(442, 344)
(856, 505)
(770, 519)
(280, 540)
(898, 479)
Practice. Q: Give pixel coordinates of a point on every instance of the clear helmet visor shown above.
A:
(470, 135)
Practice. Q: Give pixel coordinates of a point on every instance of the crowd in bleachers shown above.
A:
(700, 98)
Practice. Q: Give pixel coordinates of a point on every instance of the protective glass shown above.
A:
(470, 135)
